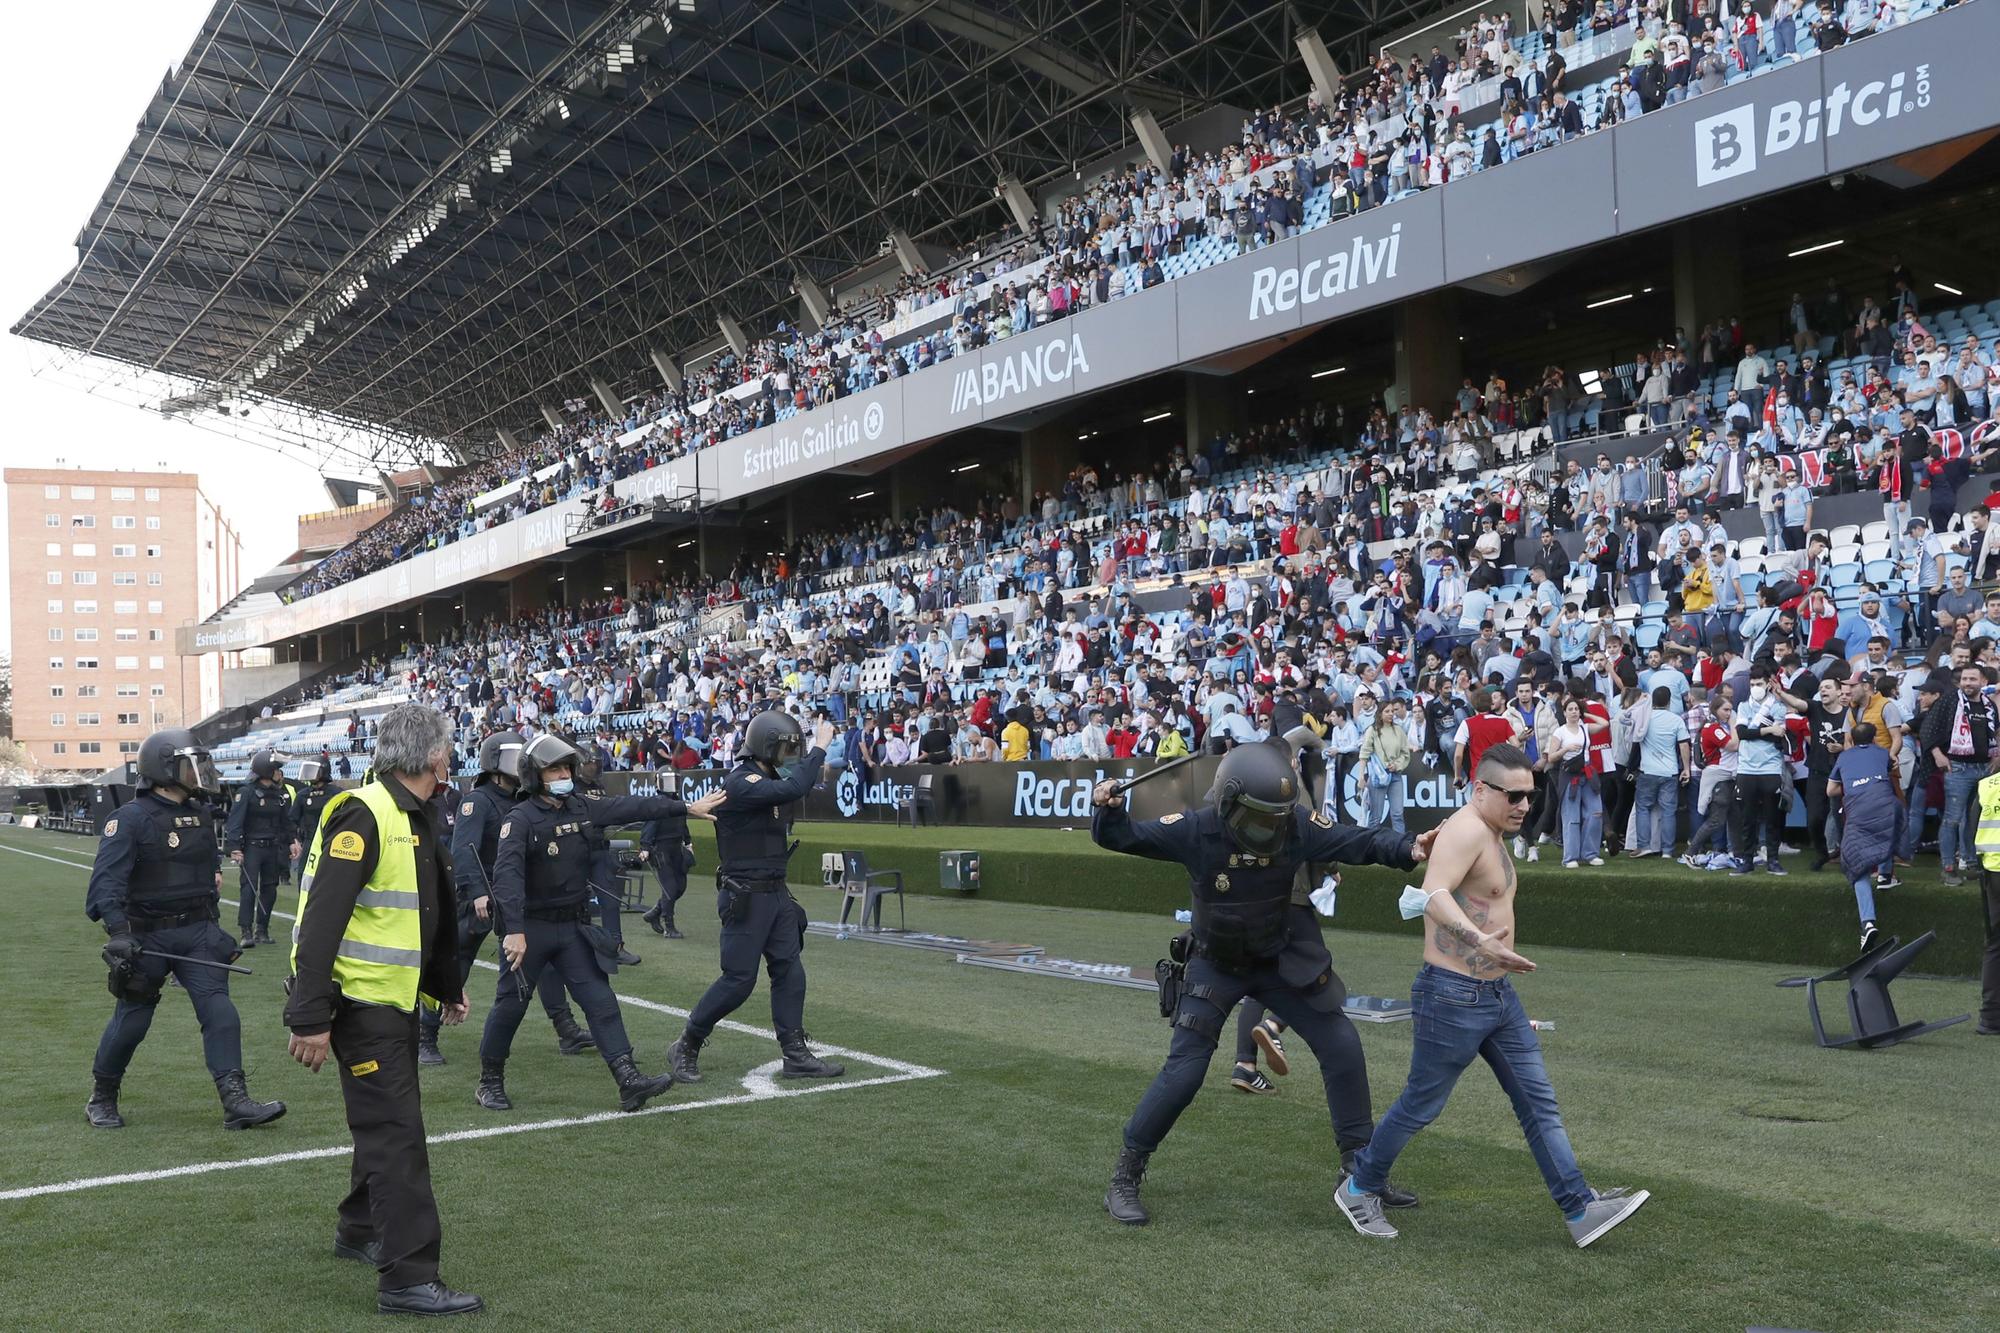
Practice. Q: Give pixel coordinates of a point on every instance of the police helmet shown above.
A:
(313, 771)
(1254, 792)
(775, 737)
(500, 755)
(544, 752)
(266, 764)
(173, 758)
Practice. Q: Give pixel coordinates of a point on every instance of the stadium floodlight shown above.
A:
(1815, 249)
(562, 109)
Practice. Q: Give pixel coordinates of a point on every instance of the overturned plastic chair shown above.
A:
(1870, 1011)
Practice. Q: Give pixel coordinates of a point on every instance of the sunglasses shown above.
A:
(1513, 797)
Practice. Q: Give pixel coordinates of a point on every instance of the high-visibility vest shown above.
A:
(1986, 837)
(380, 958)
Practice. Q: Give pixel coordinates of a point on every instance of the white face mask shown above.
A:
(1757, 693)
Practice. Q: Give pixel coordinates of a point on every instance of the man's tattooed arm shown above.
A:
(1455, 939)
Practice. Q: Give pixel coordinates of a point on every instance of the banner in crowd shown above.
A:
(1810, 464)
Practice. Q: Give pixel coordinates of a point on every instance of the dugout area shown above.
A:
(971, 1199)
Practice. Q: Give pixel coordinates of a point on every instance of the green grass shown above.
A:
(1792, 1186)
(1644, 906)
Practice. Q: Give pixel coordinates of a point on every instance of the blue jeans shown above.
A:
(1864, 897)
(1387, 800)
(1458, 1018)
(1654, 810)
(1959, 784)
(1583, 820)
(1774, 529)
(1719, 630)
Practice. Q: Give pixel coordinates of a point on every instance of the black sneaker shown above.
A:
(1265, 1034)
(1869, 934)
(1250, 1079)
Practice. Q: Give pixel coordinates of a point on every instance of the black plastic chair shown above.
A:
(858, 881)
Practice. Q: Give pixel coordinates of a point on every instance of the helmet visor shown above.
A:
(194, 770)
(787, 748)
(1258, 827)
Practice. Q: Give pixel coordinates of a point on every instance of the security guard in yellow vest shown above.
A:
(376, 940)
(1986, 842)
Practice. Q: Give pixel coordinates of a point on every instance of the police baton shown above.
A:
(200, 962)
(1129, 783)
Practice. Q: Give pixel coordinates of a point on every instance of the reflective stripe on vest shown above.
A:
(1986, 837)
(380, 958)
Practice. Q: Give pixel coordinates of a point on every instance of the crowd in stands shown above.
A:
(1397, 129)
(1381, 581)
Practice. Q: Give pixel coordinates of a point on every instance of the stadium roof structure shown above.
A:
(434, 216)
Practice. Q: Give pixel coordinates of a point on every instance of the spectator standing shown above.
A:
(1664, 763)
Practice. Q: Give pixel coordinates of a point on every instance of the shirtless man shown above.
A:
(1466, 1007)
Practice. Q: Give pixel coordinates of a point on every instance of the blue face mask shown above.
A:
(562, 787)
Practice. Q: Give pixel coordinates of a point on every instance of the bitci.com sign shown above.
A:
(1730, 144)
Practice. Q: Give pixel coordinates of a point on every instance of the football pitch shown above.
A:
(954, 1178)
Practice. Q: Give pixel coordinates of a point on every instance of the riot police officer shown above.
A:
(666, 846)
(1242, 853)
(760, 918)
(603, 860)
(475, 840)
(258, 837)
(155, 887)
(309, 800)
(541, 888)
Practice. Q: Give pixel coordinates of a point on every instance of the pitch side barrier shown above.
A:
(1862, 103)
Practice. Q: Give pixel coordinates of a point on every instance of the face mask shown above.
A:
(1757, 693)
(562, 787)
(1412, 902)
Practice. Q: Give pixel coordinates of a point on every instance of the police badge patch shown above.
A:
(110, 827)
(555, 849)
(1173, 818)
(1222, 883)
(465, 809)
(1319, 818)
(173, 839)
(505, 826)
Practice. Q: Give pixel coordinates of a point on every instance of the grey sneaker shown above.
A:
(1364, 1211)
(1605, 1211)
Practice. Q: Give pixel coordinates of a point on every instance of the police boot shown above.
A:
(800, 1062)
(492, 1092)
(656, 917)
(102, 1108)
(1391, 1194)
(238, 1111)
(634, 1088)
(670, 932)
(427, 1048)
(571, 1039)
(1122, 1199)
(681, 1058)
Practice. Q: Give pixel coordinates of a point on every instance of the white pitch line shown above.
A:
(758, 1080)
(453, 1136)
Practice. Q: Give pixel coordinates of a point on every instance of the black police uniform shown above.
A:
(760, 918)
(260, 826)
(541, 887)
(475, 841)
(1249, 938)
(603, 870)
(308, 804)
(670, 851)
(154, 879)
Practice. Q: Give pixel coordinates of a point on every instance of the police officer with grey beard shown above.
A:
(1243, 852)
(760, 918)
